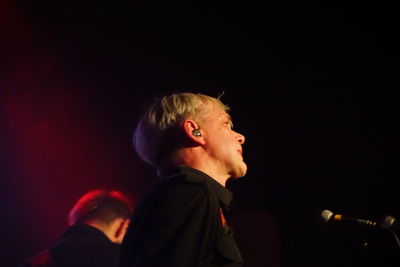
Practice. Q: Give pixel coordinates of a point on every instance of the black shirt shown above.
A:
(181, 223)
(80, 245)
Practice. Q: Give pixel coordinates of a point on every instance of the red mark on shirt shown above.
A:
(223, 220)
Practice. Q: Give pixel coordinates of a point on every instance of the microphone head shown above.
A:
(388, 221)
(326, 215)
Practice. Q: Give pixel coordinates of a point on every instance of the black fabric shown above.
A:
(179, 223)
(80, 245)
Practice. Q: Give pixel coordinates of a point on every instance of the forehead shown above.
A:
(216, 110)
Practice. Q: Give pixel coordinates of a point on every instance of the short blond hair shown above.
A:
(158, 132)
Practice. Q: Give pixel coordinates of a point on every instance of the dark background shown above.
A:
(313, 89)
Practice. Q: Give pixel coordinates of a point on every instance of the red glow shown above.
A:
(58, 148)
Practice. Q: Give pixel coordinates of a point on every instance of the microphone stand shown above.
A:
(389, 254)
(396, 247)
(396, 238)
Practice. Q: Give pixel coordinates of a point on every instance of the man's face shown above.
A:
(223, 144)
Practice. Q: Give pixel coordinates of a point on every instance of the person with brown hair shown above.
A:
(98, 222)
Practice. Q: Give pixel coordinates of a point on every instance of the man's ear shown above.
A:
(120, 232)
(193, 131)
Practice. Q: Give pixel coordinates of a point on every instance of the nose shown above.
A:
(241, 138)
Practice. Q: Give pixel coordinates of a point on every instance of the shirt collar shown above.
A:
(196, 176)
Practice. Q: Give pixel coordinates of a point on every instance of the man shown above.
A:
(189, 139)
(98, 223)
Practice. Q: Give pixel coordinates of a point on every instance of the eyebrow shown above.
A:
(228, 116)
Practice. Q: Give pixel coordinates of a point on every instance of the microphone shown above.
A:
(329, 216)
(388, 221)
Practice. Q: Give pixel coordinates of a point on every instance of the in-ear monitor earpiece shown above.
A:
(196, 132)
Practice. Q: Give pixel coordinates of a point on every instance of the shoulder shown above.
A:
(181, 190)
(186, 185)
(178, 193)
(40, 260)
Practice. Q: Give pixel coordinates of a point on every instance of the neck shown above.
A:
(193, 158)
(108, 230)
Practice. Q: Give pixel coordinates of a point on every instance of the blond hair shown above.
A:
(158, 132)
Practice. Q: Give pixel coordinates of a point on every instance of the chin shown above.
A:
(240, 172)
(244, 169)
